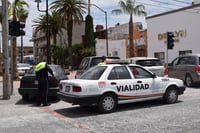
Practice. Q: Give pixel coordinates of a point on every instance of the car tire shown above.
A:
(171, 95)
(188, 80)
(107, 103)
(25, 97)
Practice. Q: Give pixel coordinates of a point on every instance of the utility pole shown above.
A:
(6, 85)
(48, 51)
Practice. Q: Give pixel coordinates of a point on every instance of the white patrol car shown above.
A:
(109, 85)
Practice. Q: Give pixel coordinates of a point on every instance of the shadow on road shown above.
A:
(196, 86)
(77, 111)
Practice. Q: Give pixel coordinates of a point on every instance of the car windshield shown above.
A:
(93, 73)
(149, 62)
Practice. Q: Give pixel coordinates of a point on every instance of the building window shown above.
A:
(115, 53)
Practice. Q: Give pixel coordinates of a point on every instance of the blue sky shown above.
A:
(152, 7)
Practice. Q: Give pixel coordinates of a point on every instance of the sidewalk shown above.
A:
(18, 116)
(15, 87)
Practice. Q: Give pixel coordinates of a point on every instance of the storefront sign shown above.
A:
(177, 35)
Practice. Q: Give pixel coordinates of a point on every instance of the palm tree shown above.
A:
(14, 11)
(55, 24)
(71, 11)
(22, 15)
(130, 7)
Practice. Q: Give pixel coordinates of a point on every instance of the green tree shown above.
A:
(89, 32)
(59, 55)
(71, 11)
(15, 10)
(130, 7)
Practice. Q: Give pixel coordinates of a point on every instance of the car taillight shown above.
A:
(166, 72)
(76, 89)
(197, 68)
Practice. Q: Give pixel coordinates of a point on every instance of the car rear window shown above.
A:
(149, 62)
(57, 70)
(95, 61)
(94, 73)
(84, 63)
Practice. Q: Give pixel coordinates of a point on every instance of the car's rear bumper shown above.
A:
(80, 100)
(34, 91)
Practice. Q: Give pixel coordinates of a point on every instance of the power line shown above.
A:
(167, 3)
(160, 6)
(183, 2)
(156, 5)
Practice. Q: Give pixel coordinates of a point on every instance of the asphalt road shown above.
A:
(17, 116)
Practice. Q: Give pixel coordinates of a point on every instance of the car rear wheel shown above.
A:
(171, 95)
(107, 103)
(188, 80)
(25, 97)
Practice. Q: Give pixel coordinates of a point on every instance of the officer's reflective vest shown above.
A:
(40, 66)
(102, 63)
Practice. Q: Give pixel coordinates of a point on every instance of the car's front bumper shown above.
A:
(80, 100)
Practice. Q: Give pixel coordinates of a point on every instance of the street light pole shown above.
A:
(106, 21)
(48, 48)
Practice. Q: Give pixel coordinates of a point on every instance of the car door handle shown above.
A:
(113, 83)
(139, 81)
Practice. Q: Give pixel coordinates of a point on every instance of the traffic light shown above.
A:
(12, 27)
(16, 28)
(170, 40)
(22, 26)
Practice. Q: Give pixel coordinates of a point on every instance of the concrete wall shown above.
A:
(115, 48)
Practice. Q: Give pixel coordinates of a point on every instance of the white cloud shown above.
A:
(152, 7)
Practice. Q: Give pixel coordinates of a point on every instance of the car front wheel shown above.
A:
(107, 103)
(171, 95)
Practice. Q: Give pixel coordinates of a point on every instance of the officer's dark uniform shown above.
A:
(42, 70)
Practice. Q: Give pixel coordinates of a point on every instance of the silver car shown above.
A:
(187, 68)
(150, 63)
(22, 68)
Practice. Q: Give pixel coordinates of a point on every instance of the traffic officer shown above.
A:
(42, 70)
(103, 62)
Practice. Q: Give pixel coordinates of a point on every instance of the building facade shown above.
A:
(118, 41)
(183, 23)
(39, 40)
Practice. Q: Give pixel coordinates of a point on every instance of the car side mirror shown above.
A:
(153, 75)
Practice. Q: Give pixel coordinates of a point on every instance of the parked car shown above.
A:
(150, 63)
(187, 68)
(22, 68)
(106, 86)
(29, 85)
(89, 62)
